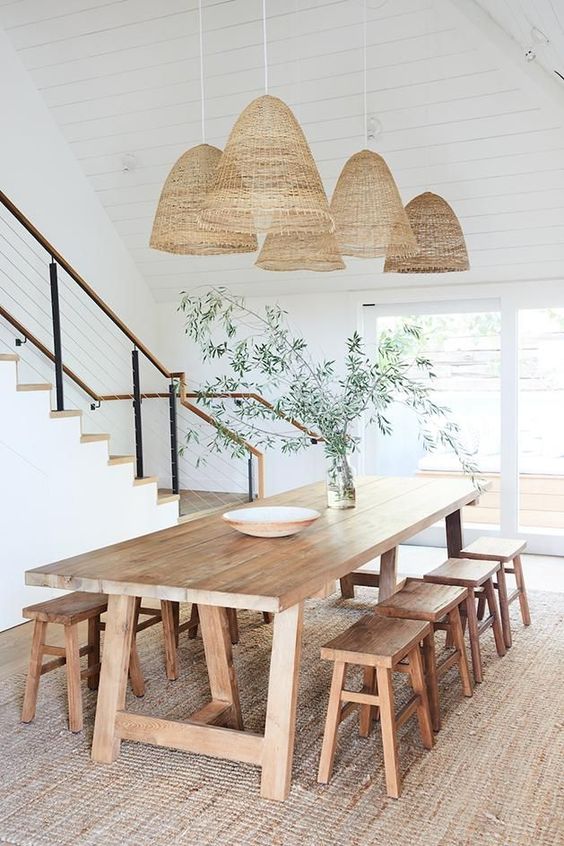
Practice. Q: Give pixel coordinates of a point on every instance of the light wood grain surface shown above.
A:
(207, 562)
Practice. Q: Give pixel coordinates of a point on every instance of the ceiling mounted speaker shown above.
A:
(175, 228)
(370, 220)
(267, 179)
(300, 251)
(440, 239)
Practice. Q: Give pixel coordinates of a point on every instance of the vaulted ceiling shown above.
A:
(461, 112)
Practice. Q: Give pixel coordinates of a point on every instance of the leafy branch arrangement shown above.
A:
(263, 356)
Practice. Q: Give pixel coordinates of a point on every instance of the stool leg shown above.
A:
(176, 621)
(523, 601)
(419, 686)
(72, 654)
(135, 671)
(481, 606)
(347, 587)
(458, 638)
(389, 732)
(34, 671)
(494, 612)
(93, 651)
(367, 711)
(430, 663)
(233, 625)
(194, 620)
(504, 607)
(331, 723)
(169, 639)
(474, 635)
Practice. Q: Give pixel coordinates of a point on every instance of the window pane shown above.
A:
(541, 419)
(465, 351)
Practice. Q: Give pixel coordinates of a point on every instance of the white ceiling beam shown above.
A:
(531, 76)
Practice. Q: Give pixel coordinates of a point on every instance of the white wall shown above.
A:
(58, 496)
(40, 174)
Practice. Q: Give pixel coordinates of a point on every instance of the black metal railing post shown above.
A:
(137, 413)
(57, 345)
(250, 478)
(173, 438)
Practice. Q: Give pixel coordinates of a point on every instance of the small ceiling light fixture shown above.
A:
(267, 179)
(442, 248)
(128, 162)
(175, 227)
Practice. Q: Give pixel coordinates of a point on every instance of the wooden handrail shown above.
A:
(258, 398)
(47, 352)
(90, 292)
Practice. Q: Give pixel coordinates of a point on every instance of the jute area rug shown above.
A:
(494, 776)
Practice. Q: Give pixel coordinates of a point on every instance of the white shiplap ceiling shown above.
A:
(121, 79)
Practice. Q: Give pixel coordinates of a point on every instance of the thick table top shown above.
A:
(207, 562)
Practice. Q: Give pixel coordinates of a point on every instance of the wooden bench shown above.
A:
(382, 647)
(508, 552)
(477, 577)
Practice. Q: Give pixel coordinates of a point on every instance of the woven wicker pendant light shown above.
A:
(267, 179)
(300, 251)
(175, 227)
(442, 248)
(369, 216)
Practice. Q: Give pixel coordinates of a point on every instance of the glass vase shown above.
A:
(340, 483)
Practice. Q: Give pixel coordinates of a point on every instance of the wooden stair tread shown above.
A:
(68, 609)
(164, 498)
(376, 641)
(465, 572)
(34, 387)
(121, 459)
(71, 412)
(495, 549)
(420, 600)
(146, 480)
(9, 357)
(92, 438)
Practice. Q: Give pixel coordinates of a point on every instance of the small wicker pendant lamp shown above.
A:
(370, 220)
(440, 239)
(175, 227)
(300, 251)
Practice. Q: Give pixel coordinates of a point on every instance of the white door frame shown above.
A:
(508, 300)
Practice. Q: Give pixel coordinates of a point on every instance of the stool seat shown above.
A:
(376, 642)
(69, 609)
(503, 550)
(420, 600)
(463, 572)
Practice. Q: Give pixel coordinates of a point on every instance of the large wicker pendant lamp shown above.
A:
(370, 220)
(267, 179)
(300, 251)
(175, 227)
(442, 248)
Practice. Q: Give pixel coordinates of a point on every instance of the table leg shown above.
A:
(453, 524)
(219, 659)
(388, 574)
(283, 684)
(113, 676)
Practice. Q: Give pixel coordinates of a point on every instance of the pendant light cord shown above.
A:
(264, 43)
(202, 97)
(365, 74)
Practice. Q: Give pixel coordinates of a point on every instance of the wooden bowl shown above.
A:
(271, 522)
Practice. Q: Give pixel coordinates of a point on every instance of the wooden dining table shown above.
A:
(206, 562)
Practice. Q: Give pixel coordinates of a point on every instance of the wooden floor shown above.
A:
(542, 572)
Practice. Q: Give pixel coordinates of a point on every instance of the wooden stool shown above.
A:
(378, 645)
(439, 605)
(67, 611)
(508, 552)
(477, 576)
